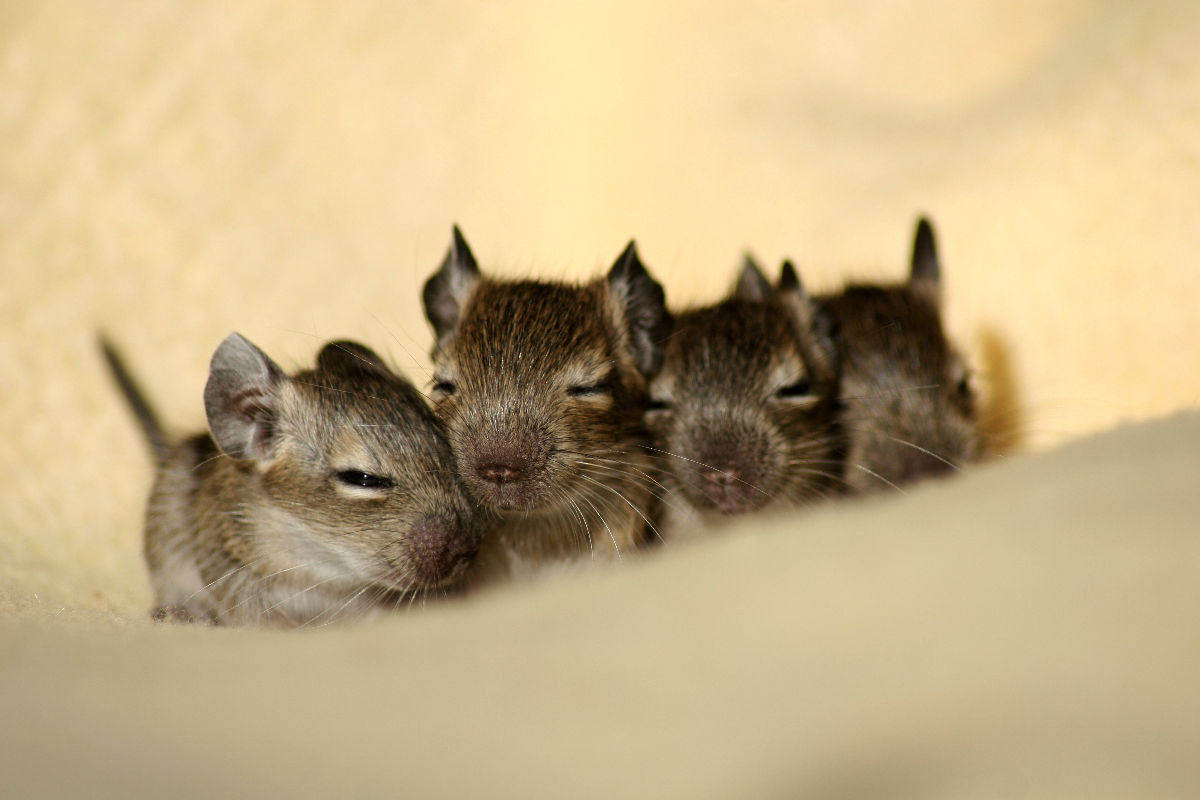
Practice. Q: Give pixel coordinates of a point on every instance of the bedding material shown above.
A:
(1027, 629)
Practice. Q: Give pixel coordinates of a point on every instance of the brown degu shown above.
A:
(744, 412)
(541, 386)
(909, 405)
(325, 495)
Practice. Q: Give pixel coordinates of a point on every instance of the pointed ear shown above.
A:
(448, 288)
(752, 285)
(925, 273)
(792, 293)
(347, 357)
(241, 399)
(813, 325)
(789, 279)
(645, 314)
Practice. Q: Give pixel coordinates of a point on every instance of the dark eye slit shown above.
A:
(964, 385)
(445, 387)
(657, 405)
(801, 388)
(364, 480)
(591, 389)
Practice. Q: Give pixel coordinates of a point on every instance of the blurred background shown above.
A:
(170, 172)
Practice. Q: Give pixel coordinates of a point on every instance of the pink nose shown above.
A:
(499, 472)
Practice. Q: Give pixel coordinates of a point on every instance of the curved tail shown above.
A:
(155, 437)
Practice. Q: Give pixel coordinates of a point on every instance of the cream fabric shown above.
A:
(1025, 630)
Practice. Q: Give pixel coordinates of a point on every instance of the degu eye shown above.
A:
(659, 399)
(963, 388)
(363, 480)
(796, 390)
(600, 387)
(444, 387)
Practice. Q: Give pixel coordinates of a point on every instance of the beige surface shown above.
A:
(172, 172)
(1025, 631)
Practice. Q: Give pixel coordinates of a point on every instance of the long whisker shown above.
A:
(661, 494)
(334, 614)
(874, 474)
(596, 458)
(636, 510)
(586, 528)
(604, 522)
(929, 453)
(222, 577)
(415, 362)
(707, 466)
(219, 455)
(253, 596)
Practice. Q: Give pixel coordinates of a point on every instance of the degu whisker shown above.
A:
(929, 453)
(709, 467)
(874, 474)
(603, 522)
(661, 493)
(334, 612)
(636, 510)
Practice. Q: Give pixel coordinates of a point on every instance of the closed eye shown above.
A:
(657, 405)
(444, 387)
(590, 389)
(363, 480)
(964, 390)
(798, 390)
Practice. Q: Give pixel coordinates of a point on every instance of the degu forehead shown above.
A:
(378, 412)
(532, 329)
(732, 344)
(896, 326)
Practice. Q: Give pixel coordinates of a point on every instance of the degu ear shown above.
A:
(644, 309)
(925, 274)
(813, 325)
(448, 288)
(789, 280)
(752, 285)
(242, 398)
(347, 357)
